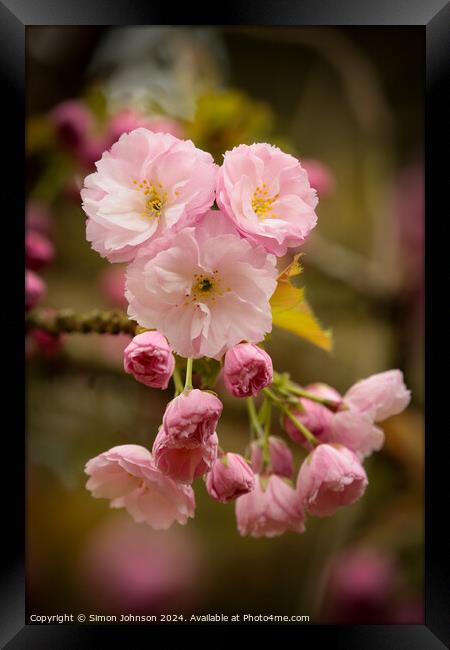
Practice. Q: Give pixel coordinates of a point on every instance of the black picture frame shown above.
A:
(434, 17)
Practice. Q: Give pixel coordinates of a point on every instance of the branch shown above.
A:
(67, 321)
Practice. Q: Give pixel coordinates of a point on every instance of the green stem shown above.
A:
(188, 382)
(300, 426)
(272, 396)
(310, 437)
(286, 386)
(266, 450)
(332, 404)
(177, 381)
(255, 424)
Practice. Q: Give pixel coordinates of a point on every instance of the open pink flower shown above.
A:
(128, 476)
(280, 458)
(330, 477)
(229, 477)
(247, 370)
(267, 194)
(380, 395)
(270, 509)
(205, 288)
(149, 359)
(184, 458)
(145, 185)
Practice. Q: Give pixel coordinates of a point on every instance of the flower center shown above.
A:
(262, 202)
(155, 198)
(205, 288)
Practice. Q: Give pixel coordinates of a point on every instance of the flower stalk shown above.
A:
(280, 404)
(255, 424)
(188, 383)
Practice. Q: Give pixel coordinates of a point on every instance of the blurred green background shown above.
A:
(349, 98)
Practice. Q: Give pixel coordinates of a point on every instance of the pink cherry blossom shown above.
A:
(149, 359)
(247, 370)
(186, 445)
(205, 288)
(267, 194)
(73, 122)
(147, 184)
(128, 120)
(356, 431)
(192, 415)
(320, 176)
(39, 250)
(48, 344)
(229, 477)
(270, 509)
(127, 475)
(35, 289)
(280, 458)
(330, 477)
(184, 458)
(380, 395)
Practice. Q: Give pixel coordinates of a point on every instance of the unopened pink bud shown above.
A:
(35, 289)
(229, 477)
(280, 458)
(192, 415)
(38, 218)
(380, 395)
(247, 370)
(39, 250)
(270, 509)
(149, 359)
(72, 121)
(186, 445)
(330, 477)
(48, 344)
(184, 460)
(320, 177)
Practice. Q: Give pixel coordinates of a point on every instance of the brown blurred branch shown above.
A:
(67, 321)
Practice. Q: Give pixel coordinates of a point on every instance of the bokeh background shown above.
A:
(347, 101)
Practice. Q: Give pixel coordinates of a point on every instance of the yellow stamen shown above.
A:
(262, 203)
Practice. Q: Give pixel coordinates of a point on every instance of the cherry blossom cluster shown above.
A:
(39, 254)
(201, 243)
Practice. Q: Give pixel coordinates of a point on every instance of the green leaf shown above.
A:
(300, 320)
(291, 311)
